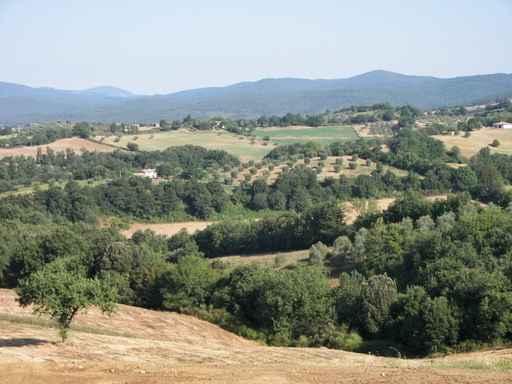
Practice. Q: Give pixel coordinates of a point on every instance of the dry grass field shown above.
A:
(480, 139)
(76, 144)
(240, 146)
(167, 229)
(277, 260)
(142, 346)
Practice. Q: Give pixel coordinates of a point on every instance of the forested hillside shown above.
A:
(250, 99)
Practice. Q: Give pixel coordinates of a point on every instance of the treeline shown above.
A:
(352, 115)
(184, 162)
(46, 134)
(244, 126)
(288, 231)
(133, 197)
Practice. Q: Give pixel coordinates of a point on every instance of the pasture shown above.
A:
(321, 135)
(242, 147)
(479, 139)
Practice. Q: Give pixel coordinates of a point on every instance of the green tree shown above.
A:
(424, 324)
(82, 130)
(187, 284)
(134, 147)
(61, 290)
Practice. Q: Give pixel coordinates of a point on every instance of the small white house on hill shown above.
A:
(148, 172)
(502, 125)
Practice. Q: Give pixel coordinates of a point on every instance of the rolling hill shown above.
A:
(142, 346)
(20, 103)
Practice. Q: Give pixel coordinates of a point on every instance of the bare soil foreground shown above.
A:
(141, 346)
(76, 144)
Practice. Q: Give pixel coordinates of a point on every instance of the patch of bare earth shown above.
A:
(167, 229)
(142, 346)
(76, 144)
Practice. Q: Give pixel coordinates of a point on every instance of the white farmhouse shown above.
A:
(502, 125)
(150, 172)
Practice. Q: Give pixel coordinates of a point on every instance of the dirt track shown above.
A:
(140, 346)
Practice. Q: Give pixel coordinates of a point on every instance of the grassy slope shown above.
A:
(142, 346)
(236, 145)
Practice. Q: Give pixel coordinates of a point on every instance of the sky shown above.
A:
(162, 46)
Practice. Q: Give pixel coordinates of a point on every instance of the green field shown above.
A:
(322, 135)
(239, 146)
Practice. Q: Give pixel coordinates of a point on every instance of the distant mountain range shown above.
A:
(19, 103)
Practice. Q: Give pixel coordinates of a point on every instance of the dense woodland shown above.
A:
(419, 278)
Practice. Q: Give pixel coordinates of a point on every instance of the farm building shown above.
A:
(503, 125)
(148, 172)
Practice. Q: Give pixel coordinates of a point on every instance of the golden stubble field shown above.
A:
(479, 139)
(142, 346)
(76, 144)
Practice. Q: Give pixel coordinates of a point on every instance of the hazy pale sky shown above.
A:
(160, 46)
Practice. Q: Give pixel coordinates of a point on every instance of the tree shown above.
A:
(82, 130)
(424, 324)
(496, 143)
(187, 284)
(164, 125)
(132, 147)
(61, 289)
(365, 304)
(317, 253)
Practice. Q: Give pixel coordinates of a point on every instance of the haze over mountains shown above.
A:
(20, 104)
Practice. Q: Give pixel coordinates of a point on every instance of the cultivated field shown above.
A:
(480, 139)
(322, 135)
(142, 346)
(326, 168)
(241, 146)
